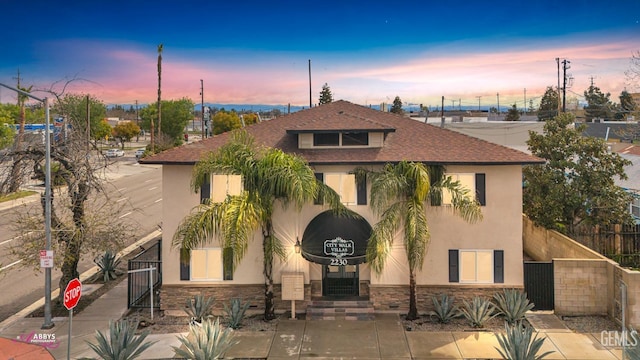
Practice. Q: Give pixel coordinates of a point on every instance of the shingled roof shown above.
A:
(405, 139)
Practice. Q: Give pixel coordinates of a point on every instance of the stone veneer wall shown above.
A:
(396, 297)
(174, 297)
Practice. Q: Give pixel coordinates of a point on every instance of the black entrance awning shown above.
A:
(336, 240)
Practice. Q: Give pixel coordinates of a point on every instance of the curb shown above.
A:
(84, 276)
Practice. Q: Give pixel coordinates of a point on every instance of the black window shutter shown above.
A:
(361, 188)
(480, 189)
(205, 190)
(185, 264)
(498, 266)
(453, 266)
(320, 178)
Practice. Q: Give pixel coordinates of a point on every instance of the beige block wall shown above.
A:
(578, 286)
(544, 245)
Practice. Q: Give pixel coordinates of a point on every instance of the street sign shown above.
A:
(46, 258)
(72, 294)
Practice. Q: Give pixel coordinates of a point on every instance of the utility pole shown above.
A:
(478, 102)
(310, 103)
(202, 106)
(565, 66)
(525, 101)
(89, 125)
(137, 122)
(498, 95)
(558, 88)
(442, 114)
(459, 104)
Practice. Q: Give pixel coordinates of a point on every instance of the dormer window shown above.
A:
(359, 138)
(326, 139)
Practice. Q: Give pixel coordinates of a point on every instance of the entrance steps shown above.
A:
(340, 310)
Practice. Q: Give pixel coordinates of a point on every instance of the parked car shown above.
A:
(139, 153)
(114, 153)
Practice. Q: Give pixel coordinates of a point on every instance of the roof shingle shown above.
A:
(406, 139)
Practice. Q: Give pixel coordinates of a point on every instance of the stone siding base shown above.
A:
(383, 298)
(396, 297)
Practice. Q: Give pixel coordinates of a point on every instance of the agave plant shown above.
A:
(205, 342)
(122, 343)
(235, 312)
(108, 265)
(444, 309)
(519, 343)
(478, 311)
(199, 308)
(512, 304)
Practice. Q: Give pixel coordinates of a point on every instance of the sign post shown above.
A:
(72, 294)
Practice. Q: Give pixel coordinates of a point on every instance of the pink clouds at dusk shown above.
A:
(364, 55)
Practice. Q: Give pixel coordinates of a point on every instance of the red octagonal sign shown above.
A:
(72, 294)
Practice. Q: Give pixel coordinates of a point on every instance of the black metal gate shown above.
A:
(340, 281)
(140, 276)
(538, 283)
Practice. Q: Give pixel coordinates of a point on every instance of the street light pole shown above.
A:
(48, 324)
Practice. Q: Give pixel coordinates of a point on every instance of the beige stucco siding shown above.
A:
(501, 229)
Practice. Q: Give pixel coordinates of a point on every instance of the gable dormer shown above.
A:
(340, 130)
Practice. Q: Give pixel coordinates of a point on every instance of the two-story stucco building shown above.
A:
(335, 138)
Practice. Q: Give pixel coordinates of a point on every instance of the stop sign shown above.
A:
(72, 294)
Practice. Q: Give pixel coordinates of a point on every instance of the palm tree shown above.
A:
(160, 48)
(399, 194)
(268, 175)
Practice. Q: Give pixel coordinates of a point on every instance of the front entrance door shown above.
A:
(340, 280)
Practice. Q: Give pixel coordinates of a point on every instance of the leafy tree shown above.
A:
(102, 130)
(598, 104)
(513, 114)
(576, 184)
(325, 95)
(249, 119)
(399, 194)
(548, 105)
(125, 131)
(6, 130)
(74, 108)
(176, 115)
(270, 177)
(397, 106)
(224, 121)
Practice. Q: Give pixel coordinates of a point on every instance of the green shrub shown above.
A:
(108, 265)
(199, 308)
(478, 311)
(205, 342)
(519, 343)
(235, 313)
(122, 343)
(444, 309)
(512, 304)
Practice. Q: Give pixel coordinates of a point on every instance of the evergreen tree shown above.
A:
(627, 106)
(513, 114)
(548, 105)
(325, 95)
(397, 106)
(598, 104)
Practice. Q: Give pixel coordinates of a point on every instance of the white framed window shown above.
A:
(467, 181)
(344, 184)
(206, 264)
(476, 266)
(224, 185)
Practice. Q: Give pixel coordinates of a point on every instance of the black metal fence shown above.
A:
(620, 243)
(143, 270)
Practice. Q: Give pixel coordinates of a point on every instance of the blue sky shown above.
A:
(250, 52)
